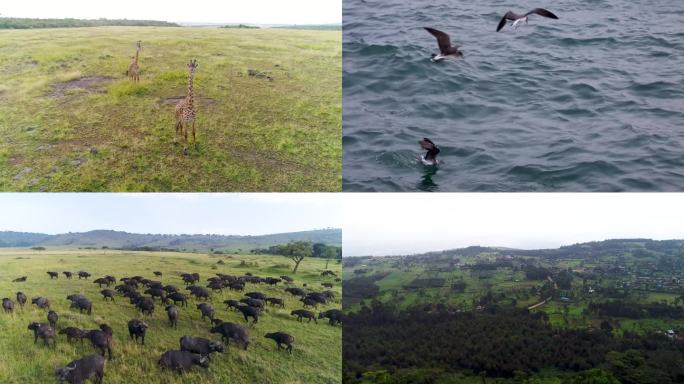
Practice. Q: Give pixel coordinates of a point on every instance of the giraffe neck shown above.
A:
(191, 92)
(137, 52)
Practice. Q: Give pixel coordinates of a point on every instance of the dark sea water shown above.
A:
(591, 102)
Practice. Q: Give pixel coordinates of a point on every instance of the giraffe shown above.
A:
(134, 68)
(185, 109)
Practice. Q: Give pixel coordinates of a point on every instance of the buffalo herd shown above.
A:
(145, 293)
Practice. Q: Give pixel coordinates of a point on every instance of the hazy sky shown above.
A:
(400, 223)
(227, 214)
(215, 11)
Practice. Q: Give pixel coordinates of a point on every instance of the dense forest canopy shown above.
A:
(499, 343)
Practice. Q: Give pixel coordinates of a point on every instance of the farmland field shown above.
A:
(268, 107)
(316, 357)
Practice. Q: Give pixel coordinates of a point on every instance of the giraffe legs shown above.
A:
(193, 133)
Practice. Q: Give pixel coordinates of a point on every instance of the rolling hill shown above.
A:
(125, 240)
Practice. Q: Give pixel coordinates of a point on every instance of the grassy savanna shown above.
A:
(317, 351)
(70, 119)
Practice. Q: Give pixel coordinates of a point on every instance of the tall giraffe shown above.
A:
(134, 68)
(185, 109)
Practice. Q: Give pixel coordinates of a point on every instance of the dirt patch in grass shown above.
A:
(198, 100)
(15, 160)
(93, 84)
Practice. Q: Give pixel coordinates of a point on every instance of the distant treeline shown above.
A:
(636, 310)
(21, 23)
(317, 250)
(318, 27)
(241, 26)
(148, 249)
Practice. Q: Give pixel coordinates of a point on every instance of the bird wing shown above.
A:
(443, 39)
(427, 144)
(542, 12)
(508, 16)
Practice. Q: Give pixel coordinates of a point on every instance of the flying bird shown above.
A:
(430, 157)
(446, 50)
(517, 19)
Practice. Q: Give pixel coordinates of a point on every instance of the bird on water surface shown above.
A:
(430, 157)
(446, 50)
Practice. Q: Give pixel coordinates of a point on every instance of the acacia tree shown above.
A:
(296, 251)
(329, 253)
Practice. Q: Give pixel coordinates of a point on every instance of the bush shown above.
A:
(248, 264)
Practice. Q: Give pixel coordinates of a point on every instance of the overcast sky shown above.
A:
(213, 11)
(401, 223)
(226, 214)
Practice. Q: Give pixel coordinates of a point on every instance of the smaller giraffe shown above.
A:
(134, 68)
(185, 109)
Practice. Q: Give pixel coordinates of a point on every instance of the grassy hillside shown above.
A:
(72, 121)
(125, 240)
(618, 296)
(317, 351)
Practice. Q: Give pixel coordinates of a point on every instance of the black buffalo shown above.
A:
(41, 302)
(107, 294)
(73, 333)
(182, 360)
(200, 345)
(78, 371)
(172, 312)
(281, 338)
(232, 331)
(145, 305)
(206, 310)
(101, 339)
(7, 305)
(248, 311)
(21, 298)
(335, 316)
(178, 297)
(137, 329)
(82, 304)
(52, 317)
(43, 331)
(303, 313)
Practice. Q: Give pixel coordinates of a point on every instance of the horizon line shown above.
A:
(510, 248)
(170, 234)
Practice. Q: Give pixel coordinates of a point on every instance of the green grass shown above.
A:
(111, 135)
(317, 350)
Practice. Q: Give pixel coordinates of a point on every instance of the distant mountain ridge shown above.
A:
(119, 239)
(588, 249)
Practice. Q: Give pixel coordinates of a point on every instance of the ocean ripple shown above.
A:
(591, 102)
